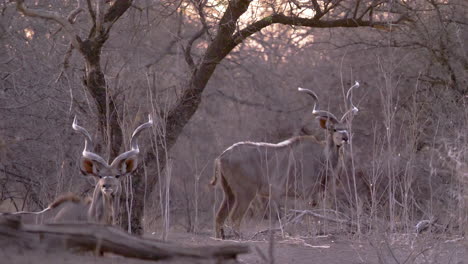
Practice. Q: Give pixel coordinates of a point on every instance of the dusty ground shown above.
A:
(335, 248)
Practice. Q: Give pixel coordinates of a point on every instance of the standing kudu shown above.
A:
(103, 206)
(295, 167)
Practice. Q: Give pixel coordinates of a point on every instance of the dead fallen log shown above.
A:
(102, 238)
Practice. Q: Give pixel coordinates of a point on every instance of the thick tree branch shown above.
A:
(318, 10)
(305, 22)
(188, 48)
(69, 29)
(115, 12)
(103, 24)
(199, 5)
(370, 10)
(234, 10)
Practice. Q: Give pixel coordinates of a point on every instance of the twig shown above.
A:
(264, 231)
(308, 212)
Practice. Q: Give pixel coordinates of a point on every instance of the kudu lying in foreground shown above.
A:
(292, 168)
(103, 206)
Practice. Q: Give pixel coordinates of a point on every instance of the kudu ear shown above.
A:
(87, 167)
(91, 164)
(127, 162)
(127, 165)
(325, 122)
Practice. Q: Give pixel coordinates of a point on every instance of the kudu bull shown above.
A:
(295, 167)
(104, 203)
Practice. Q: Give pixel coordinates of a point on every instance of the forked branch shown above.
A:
(69, 29)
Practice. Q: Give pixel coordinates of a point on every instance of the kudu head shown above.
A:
(336, 127)
(108, 176)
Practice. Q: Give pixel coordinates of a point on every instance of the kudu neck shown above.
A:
(101, 209)
(331, 151)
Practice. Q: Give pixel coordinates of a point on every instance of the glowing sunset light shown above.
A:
(259, 10)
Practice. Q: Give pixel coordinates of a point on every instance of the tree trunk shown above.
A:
(95, 82)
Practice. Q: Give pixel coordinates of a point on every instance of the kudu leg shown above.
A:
(222, 214)
(224, 209)
(241, 205)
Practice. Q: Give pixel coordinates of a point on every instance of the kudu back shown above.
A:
(297, 167)
(103, 205)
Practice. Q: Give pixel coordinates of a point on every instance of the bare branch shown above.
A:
(318, 10)
(356, 8)
(98, 16)
(115, 12)
(332, 6)
(234, 10)
(75, 39)
(66, 59)
(251, 103)
(91, 11)
(168, 49)
(74, 13)
(314, 214)
(199, 8)
(103, 24)
(369, 9)
(305, 22)
(188, 48)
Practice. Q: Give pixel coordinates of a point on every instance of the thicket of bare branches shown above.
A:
(218, 72)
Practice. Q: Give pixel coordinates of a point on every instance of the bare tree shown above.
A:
(103, 17)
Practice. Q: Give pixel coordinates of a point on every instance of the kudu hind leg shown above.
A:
(241, 205)
(224, 209)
